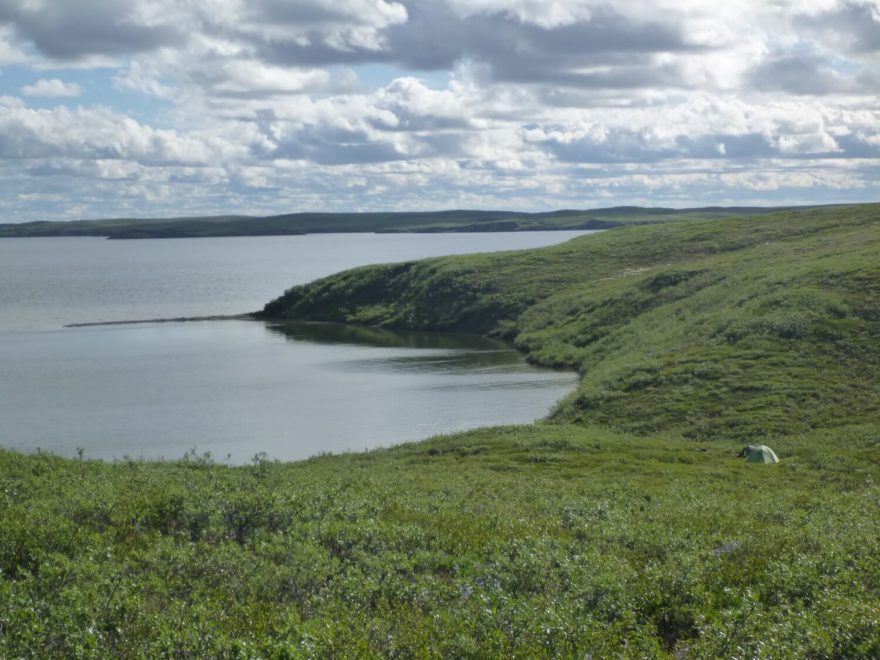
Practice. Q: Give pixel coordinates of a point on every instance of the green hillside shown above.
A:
(543, 541)
(734, 329)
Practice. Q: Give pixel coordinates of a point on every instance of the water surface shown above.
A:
(50, 282)
(236, 388)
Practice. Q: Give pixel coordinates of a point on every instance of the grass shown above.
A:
(535, 541)
(623, 526)
(733, 329)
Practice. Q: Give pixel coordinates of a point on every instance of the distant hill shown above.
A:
(315, 223)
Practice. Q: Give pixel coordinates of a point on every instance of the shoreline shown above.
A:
(178, 319)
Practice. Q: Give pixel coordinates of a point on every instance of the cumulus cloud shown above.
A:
(9, 52)
(99, 134)
(142, 79)
(274, 106)
(244, 77)
(416, 107)
(51, 87)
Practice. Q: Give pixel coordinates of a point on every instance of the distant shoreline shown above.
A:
(176, 319)
(295, 224)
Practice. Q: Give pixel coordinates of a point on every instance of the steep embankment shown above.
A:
(732, 328)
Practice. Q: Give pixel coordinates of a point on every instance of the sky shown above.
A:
(150, 108)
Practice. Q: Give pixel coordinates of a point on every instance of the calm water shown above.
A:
(236, 388)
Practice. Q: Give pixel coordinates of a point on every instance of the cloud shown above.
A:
(142, 79)
(707, 128)
(274, 105)
(320, 13)
(307, 33)
(51, 87)
(100, 134)
(417, 107)
(9, 52)
(606, 49)
(588, 44)
(852, 26)
(74, 29)
(251, 78)
(809, 74)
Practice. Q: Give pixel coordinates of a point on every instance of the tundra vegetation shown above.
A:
(623, 525)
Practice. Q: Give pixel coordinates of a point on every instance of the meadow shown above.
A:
(624, 525)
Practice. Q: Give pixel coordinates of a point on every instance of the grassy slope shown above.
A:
(557, 539)
(737, 329)
(533, 541)
(302, 223)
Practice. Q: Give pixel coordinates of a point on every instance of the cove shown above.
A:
(237, 388)
(241, 388)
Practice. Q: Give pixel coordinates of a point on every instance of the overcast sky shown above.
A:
(180, 107)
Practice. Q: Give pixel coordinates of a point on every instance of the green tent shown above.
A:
(758, 454)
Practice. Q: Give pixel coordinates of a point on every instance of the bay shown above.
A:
(236, 388)
(50, 282)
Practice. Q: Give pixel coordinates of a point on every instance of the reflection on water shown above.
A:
(431, 352)
(529, 382)
(340, 333)
(473, 362)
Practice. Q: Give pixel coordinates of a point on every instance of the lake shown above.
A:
(237, 388)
